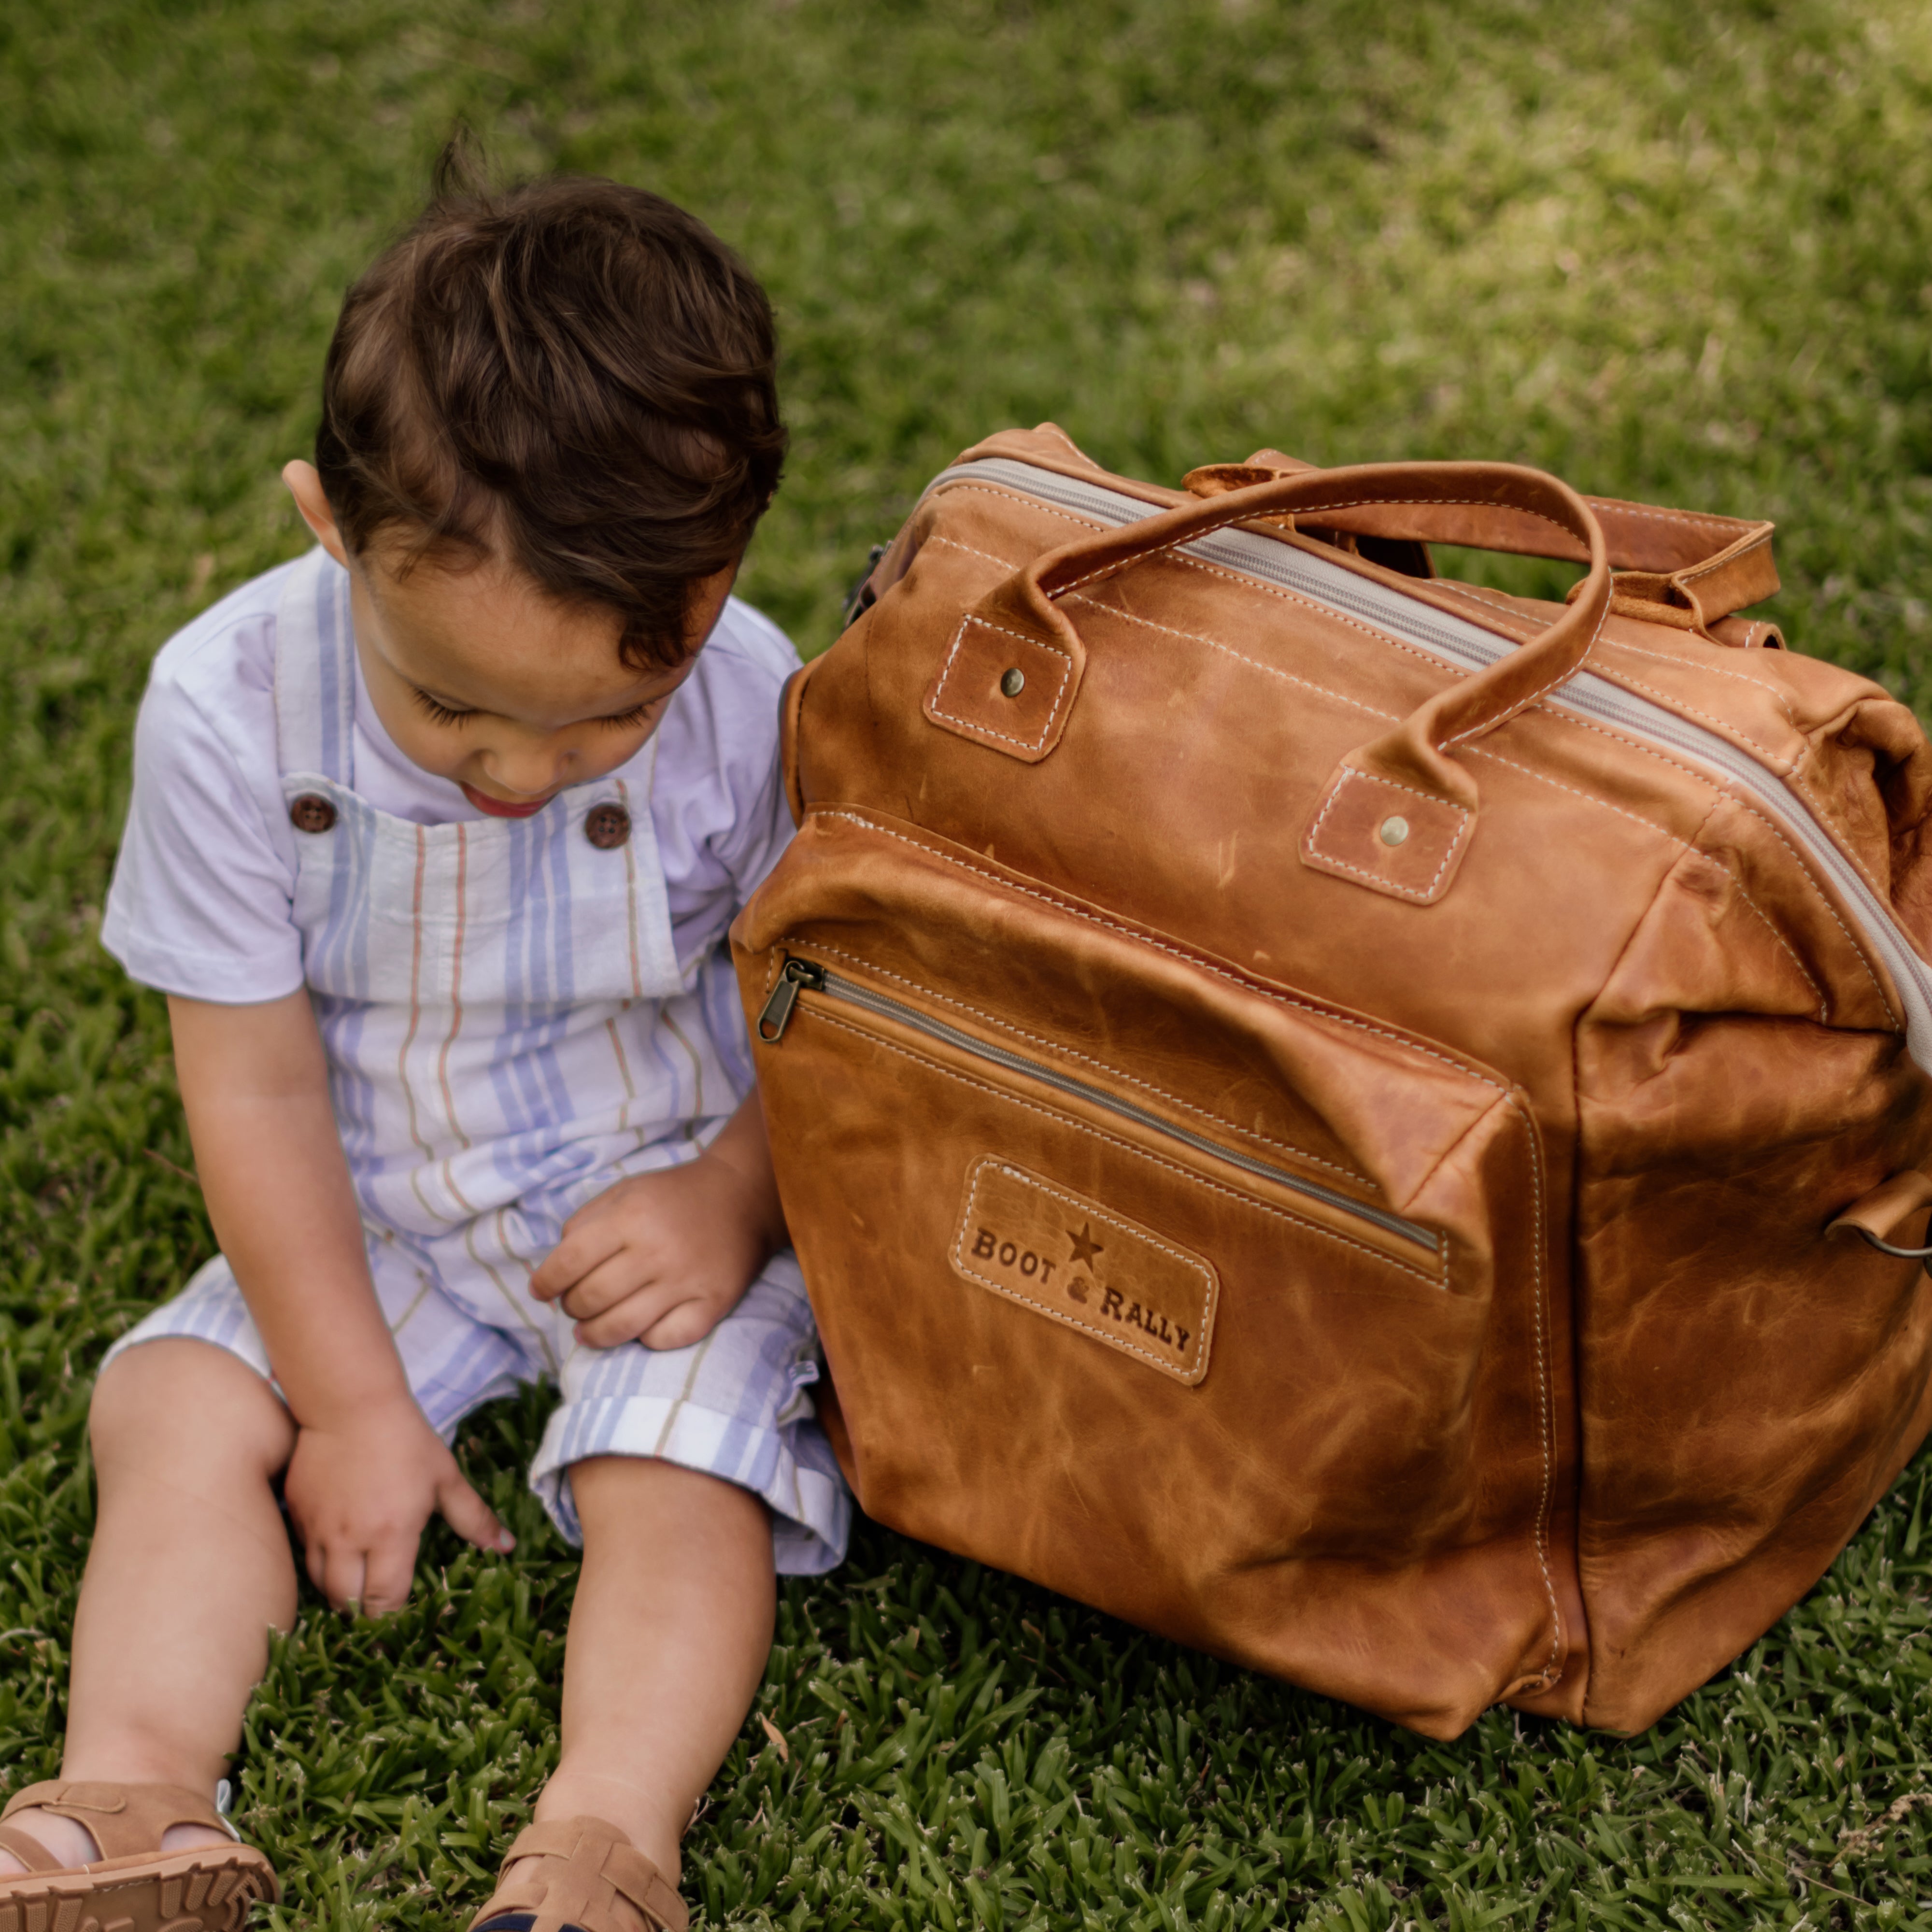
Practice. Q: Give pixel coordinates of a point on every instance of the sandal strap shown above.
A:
(125, 1820)
(599, 1863)
(33, 1856)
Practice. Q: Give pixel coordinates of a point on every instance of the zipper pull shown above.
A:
(777, 1016)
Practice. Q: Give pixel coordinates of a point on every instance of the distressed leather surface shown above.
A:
(1627, 1063)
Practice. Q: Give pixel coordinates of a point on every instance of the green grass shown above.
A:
(1675, 252)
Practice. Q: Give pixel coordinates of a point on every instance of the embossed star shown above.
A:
(1084, 1246)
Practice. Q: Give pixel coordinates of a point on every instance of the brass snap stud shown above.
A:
(1014, 682)
(311, 812)
(1394, 831)
(606, 826)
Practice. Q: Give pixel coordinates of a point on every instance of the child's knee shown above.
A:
(176, 1397)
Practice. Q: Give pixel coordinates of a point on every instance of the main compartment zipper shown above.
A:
(803, 976)
(1469, 646)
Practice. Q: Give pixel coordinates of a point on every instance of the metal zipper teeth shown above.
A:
(833, 987)
(1469, 645)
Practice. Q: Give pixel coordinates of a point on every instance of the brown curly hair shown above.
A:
(570, 373)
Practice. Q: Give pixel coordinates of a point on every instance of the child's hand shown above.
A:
(360, 1494)
(663, 1257)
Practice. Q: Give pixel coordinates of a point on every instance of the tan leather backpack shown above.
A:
(1315, 1100)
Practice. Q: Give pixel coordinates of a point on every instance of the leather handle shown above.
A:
(1016, 663)
(1705, 565)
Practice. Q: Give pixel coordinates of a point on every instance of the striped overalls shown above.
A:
(509, 1032)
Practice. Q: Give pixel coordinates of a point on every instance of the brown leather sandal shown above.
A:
(581, 1868)
(132, 1886)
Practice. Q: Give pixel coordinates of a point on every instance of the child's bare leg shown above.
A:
(668, 1641)
(190, 1567)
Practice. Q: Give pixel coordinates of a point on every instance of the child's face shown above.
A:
(480, 679)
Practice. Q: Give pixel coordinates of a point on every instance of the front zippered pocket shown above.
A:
(799, 975)
(1196, 1297)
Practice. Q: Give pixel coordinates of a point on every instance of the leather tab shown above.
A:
(977, 694)
(1387, 837)
(1880, 1212)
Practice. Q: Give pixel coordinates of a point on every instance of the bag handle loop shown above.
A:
(1397, 814)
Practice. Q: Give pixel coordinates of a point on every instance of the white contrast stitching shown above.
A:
(1546, 1433)
(1033, 503)
(1745, 805)
(1784, 766)
(1684, 844)
(1073, 1053)
(1542, 690)
(953, 543)
(986, 730)
(1241, 657)
(1706, 519)
(1195, 1370)
(1845, 844)
(1689, 573)
(1454, 672)
(1714, 670)
(1421, 894)
(1284, 999)
(823, 1019)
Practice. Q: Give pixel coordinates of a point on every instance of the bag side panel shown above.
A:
(1747, 1389)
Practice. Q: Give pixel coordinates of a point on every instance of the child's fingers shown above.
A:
(688, 1321)
(582, 1248)
(625, 1320)
(625, 1274)
(388, 1570)
(342, 1579)
(315, 1560)
(471, 1517)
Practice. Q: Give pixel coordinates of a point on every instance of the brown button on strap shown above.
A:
(311, 812)
(607, 827)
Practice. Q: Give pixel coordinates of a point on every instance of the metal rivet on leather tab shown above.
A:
(607, 827)
(1014, 682)
(1394, 831)
(311, 812)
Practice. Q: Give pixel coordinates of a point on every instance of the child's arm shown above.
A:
(368, 1471)
(663, 1258)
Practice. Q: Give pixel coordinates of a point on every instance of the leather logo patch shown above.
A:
(1074, 1262)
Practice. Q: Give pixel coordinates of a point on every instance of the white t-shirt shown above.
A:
(204, 886)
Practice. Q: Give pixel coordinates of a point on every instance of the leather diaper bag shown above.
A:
(1371, 1126)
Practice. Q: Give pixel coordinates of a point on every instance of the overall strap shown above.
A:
(315, 672)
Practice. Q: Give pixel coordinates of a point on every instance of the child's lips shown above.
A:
(499, 808)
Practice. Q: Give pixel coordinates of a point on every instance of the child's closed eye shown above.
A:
(438, 713)
(638, 714)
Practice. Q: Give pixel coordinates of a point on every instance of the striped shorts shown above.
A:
(736, 1405)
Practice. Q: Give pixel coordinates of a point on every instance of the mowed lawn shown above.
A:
(1676, 252)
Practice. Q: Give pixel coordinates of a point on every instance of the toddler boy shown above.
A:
(435, 836)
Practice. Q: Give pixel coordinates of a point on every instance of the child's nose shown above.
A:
(530, 769)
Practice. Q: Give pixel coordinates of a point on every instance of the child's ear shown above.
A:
(304, 485)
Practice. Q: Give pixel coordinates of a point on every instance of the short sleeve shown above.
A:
(202, 901)
(719, 802)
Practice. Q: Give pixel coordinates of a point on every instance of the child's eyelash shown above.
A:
(443, 714)
(439, 713)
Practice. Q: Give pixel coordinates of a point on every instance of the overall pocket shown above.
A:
(1219, 1307)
